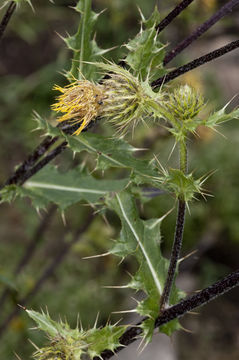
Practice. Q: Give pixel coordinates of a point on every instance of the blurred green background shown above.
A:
(32, 59)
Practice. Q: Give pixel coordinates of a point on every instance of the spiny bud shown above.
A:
(127, 99)
(60, 349)
(185, 103)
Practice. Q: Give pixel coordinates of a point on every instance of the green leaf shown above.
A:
(113, 152)
(67, 343)
(44, 322)
(106, 338)
(108, 152)
(220, 117)
(63, 189)
(146, 52)
(83, 46)
(142, 239)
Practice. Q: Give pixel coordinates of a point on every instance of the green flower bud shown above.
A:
(185, 103)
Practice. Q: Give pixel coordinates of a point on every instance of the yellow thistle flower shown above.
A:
(80, 102)
(120, 98)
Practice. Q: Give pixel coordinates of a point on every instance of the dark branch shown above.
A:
(47, 273)
(173, 14)
(178, 238)
(195, 63)
(6, 18)
(223, 11)
(178, 310)
(30, 166)
(30, 250)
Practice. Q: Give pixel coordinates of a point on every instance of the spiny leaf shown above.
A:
(72, 344)
(146, 52)
(141, 239)
(109, 152)
(83, 46)
(115, 153)
(63, 189)
(220, 117)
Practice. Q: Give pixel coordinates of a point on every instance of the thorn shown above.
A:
(124, 311)
(96, 256)
(186, 330)
(63, 218)
(187, 256)
(17, 356)
(96, 320)
(115, 287)
(171, 152)
(34, 345)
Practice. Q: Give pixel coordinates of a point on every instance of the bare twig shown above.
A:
(223, 11)
(176, 248)
(30, 250)
(176, 311)
(195, 63)
(6, 18)
(30, 166)
(173, 14)
(48, 272)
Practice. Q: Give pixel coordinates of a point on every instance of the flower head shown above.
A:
(120, 98)
(80, 102)
(127, 99)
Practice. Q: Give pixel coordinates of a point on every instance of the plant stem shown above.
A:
(195, 63)
(176, 311)
(173, 14)
(30, 166)
(223, 11)
(178, 236)
(6, 18)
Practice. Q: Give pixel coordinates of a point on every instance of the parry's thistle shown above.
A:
(120, 98)
(80, 102)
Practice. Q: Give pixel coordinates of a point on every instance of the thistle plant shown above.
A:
(124, 96)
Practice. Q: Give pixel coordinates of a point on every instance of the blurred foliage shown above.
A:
(33, 57)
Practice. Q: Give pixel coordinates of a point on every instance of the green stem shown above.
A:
(178, 236)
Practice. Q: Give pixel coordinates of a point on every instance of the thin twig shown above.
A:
(173, 14)
(195, 63)
(47, 273)
(52, 155)
(176, 311)
(30, 250)
(32, 158)
(223, 11)
(6, 18)
(176, 249)
(30, 166)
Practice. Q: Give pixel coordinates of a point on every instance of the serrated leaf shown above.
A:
(63, 189)
(44, 322)
(220, 117)
(83, 46)
(142, 239)
(72, 344)
(113, 152)
(146, 52)
(106, 338)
